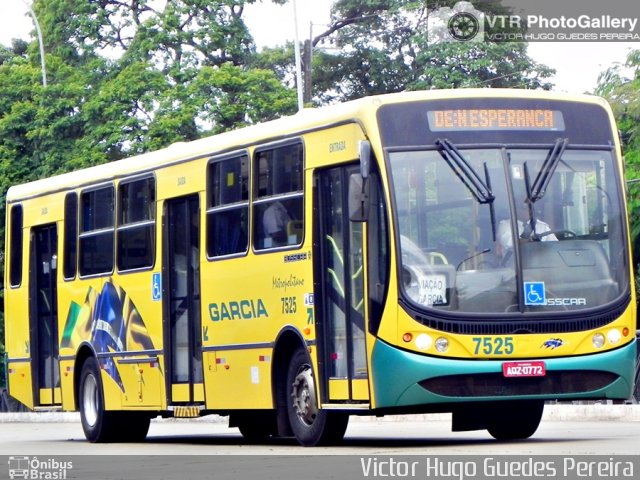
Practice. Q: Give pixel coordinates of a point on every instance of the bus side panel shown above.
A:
(143, 381)
(88, 303)
(75, 300)
(19, 382)
(240, 323)
(66, 384)
(238, 379)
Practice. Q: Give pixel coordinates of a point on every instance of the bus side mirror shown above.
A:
(358, 198)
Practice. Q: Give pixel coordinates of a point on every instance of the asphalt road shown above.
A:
(565, 430)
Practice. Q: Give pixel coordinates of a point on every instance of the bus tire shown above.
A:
(515, 420)
(256, 426)
(311, 425)
(135, 427)
(98, 424)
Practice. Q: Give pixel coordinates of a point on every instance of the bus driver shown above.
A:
(531, 228)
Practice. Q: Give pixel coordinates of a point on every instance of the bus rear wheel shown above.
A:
(515, 420)
(310, 425)
(100, 425)
(97, 423)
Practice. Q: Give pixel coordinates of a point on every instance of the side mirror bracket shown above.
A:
(365, 158)
(359, 186)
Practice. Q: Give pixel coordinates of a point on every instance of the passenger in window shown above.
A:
(275, 220)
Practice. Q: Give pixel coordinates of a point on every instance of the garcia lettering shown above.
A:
(237, 310)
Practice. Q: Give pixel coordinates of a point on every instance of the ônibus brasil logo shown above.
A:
(33, 468)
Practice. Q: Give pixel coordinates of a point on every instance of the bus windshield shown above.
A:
(556, 247)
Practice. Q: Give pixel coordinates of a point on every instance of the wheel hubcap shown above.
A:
(303, 394)
(90, 400)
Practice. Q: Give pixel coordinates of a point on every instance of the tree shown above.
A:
(620, 85)
(160, 52)
(382, 46)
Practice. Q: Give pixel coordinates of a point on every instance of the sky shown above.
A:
(577, 64)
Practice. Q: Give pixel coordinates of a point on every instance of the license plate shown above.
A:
(524, 369)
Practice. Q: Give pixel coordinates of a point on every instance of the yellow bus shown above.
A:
(461, 251)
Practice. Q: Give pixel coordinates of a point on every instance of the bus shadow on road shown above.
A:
(360, 442)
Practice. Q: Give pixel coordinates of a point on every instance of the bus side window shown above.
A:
(136, 224)
(228, 206)
(70, 235)
(96, 231)
(15, 247)
(278, 197)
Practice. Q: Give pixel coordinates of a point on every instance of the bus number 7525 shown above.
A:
(493, 345)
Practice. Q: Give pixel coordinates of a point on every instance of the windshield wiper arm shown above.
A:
(536, 191)
(465, 171)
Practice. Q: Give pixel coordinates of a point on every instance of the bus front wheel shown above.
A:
(310, 425)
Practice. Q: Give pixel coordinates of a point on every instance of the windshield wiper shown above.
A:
(539, 187)
(465, 171)
(537, 190)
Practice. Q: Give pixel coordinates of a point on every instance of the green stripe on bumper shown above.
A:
(396, 374)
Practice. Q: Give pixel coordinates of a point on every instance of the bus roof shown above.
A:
(303, 121)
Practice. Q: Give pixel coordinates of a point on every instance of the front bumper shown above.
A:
(404, 378)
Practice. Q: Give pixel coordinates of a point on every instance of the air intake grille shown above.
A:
(496, 385)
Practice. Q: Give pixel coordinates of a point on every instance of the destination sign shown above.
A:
(495, 119)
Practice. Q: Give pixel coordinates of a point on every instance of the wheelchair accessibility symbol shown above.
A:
(534, 293)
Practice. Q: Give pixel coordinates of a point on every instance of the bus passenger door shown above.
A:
(340, 298)
(182, 301)
(43, 313)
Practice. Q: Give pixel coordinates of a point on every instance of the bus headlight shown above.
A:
(614, 336)
(423, 342)
(598, 340)
(442, 344)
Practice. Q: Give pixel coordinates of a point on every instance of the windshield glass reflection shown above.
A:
(560, 250)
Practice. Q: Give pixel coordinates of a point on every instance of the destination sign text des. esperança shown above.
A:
(495, 119)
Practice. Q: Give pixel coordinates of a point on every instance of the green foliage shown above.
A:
(382, 46)
(230, 97)
(620, 85)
